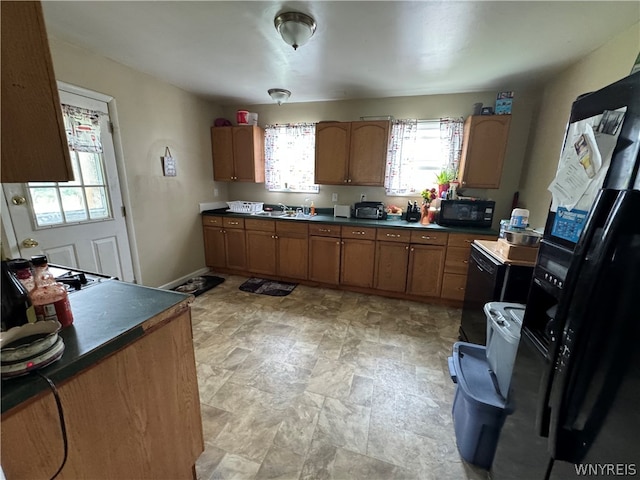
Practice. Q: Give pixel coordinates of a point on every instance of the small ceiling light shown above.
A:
(280, 95)
(295, 28)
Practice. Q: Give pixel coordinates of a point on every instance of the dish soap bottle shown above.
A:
(313, 209)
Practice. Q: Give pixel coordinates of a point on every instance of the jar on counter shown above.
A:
(50, 298)
(22, 270)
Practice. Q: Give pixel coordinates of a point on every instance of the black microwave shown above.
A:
(466, 213)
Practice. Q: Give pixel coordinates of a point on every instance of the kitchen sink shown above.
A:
(271, 214)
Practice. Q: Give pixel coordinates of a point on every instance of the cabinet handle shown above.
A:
(413, 249)
(428, 238)
(465, 261)
(341, 243)
(234, 223)
(324, 230)
(407, 248)
(345, 180)
(469, 241)
(358, 233)
(392, 235)
(461, 289)
(337, 243)
(349, 181)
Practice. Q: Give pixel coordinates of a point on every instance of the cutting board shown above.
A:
(516, 252)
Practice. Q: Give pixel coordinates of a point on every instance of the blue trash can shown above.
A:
(478, 409)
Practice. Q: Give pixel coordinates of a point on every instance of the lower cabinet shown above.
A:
(277, 248)
(454, 279)
(357, 258)
(224, 243)
(324, 253)
(392, 260)
(292, 245)
(416, 262)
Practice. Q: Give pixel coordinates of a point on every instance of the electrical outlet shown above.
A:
(334, 197)
(363, 198)
(216, 192)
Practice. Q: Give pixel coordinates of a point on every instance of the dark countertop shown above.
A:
(107, 318)
(326, 216)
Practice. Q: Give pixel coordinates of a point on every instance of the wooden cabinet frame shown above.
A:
(238, 153)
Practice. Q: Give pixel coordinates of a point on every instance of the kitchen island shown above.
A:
(128, 388)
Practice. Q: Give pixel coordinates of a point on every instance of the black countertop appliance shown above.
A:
(574, 393)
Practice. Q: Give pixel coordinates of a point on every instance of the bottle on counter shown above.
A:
(313, 209)
(50, 298)
(17, 308)
(22, 270)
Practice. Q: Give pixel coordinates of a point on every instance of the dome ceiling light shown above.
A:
(295, 28)
(280, 95)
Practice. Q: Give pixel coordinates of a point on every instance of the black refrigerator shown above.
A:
(573, 408)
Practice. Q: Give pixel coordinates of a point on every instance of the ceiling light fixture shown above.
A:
(280, 95)
(295, 28)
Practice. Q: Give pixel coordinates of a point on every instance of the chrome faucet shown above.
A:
(284, 207)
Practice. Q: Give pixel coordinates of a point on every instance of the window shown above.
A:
(84, 199)
(418, 151)
(290, 158)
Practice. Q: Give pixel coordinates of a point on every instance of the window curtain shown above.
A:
(403, 139)
(83, 129)
(290, 157)
(451, 133)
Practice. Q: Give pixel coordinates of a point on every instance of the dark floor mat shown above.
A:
(210, 281)
(267, 287)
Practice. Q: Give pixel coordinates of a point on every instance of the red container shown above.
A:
(242, 117)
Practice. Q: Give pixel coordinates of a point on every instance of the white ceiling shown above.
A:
(230, 52)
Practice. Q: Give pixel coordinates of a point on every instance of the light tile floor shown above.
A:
(325, 384)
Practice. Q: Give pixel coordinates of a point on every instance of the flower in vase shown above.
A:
(429, 195)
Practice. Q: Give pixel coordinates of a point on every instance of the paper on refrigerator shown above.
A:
(585, 160)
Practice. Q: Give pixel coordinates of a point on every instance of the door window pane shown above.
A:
(91, 167)
(97, 202)
(86, 198)
(46, 205)
(73, 204)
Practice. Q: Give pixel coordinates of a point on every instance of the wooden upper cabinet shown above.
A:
(332, 152)
(352, 153)
(34, 142)
(238, 153)
(483, 150)
(368, 152)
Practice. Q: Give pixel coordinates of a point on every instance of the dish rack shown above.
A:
(245, 207)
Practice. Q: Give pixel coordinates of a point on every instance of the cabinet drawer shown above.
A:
(457, 260)
(292, 227)
(324, 230)
(393, 235)
(453, 286)
(259, 224)
(429, 238)
(466, 239)
(233, 222)
(209, 221)
(359, 232)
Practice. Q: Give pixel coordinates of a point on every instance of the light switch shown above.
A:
(334, 197)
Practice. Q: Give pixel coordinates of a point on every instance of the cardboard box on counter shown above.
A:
(516, 252)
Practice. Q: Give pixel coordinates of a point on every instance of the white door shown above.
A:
(81, 223)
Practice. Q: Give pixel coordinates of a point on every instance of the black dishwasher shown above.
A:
(489, 280)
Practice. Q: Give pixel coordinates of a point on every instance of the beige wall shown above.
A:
(153, 114)
(421, 107)
(609, 63)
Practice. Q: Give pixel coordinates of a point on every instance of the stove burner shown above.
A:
(74, 281)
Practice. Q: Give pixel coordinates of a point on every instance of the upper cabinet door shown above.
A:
(368, 152)
(248, 153)
(483, 150)
(34, 142)
(222, 151)
(332, 152)
(238, 153)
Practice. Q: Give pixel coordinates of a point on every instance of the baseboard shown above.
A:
(181, 280)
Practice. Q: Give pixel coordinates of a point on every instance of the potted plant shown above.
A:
(443, 178)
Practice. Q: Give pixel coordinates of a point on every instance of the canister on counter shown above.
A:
(519, 218)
